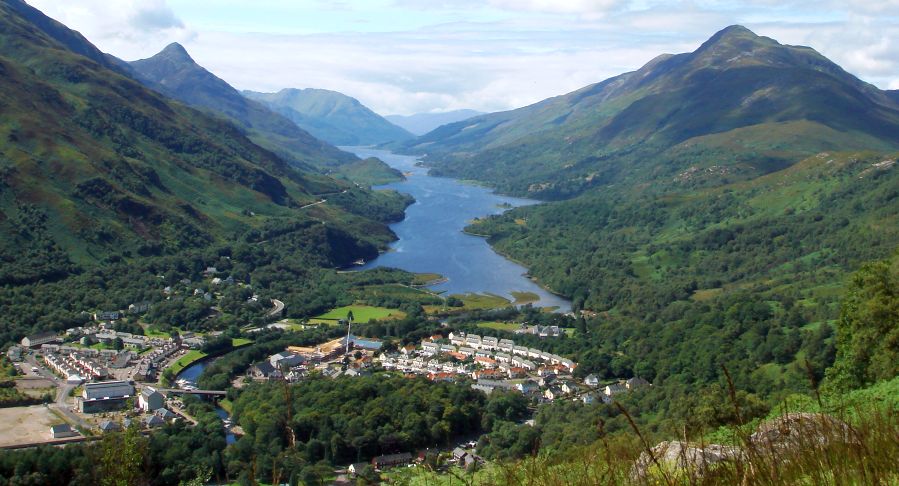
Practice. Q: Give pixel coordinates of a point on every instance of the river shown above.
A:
(192, 373)
(431, 239)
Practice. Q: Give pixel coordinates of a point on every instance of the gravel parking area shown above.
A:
(22, 425)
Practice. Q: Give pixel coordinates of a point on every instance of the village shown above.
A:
(101, 380)
(488, 363)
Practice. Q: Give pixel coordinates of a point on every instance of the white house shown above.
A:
(150, 400)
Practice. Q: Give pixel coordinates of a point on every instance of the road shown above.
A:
(277, 309)
(313, 204)
(61, 404)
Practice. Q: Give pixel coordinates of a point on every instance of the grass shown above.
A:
(426, 278)
(238, 342)
(188, 359)
(482, 301)
(361, 314)
(817, 452)
(226, 405)
(500, 326)
(522, 298)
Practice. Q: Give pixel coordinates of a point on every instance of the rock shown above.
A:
(801, 430)
(694, 458)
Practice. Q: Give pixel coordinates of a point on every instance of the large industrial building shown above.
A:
(105, 395)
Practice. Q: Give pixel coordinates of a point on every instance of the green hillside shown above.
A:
(332, 116)
(94, 164)
(98, 172)
(740, 105)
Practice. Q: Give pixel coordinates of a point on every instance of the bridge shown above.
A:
(178, 391)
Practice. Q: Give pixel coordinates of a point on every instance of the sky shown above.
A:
(417, 56)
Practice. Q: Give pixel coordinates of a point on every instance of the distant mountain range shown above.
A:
(422, 123)
(332, 116)
(96, 165)
(743, 104)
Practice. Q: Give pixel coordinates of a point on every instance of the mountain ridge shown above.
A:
(331, 116)
(624, 129)
(421, 123)
(175, 73)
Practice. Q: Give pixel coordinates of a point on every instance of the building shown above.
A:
(636, 382)
(263, 370)
(528, 386)
(553, 392)
(104, 395)
(613, 389)
(356, 468)
(366, 344)
(153, 421)
(107, 315)
(139, 307)
(61, 431)
(591, 380)
(150, 400)
(109, 426)
(36, 340)
(390, 460)
(285, 359)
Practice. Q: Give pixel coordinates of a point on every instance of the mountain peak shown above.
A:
(734, 35)
(175, 52)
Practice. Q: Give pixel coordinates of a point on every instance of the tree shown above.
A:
(118, 344)
(122, 458)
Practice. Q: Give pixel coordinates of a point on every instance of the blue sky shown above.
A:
(408, 56)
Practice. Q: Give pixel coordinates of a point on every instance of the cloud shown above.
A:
(155, 16)
(125, 28)
(425, 56)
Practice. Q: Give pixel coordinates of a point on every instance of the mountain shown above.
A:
(174, 73)
(740, 106)
(332, 116)
(422, 123)
(893, 94)
(96, 167)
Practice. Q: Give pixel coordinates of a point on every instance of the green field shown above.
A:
(500, 326)
(188, 359)
(522, 298)
(426, 278)
(238, 342)
(482, 301)
(361, 314)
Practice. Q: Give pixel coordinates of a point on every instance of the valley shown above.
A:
(682, 274)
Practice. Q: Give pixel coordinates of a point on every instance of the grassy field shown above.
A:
(522, 298)
(483, 301)
(361, 314)
(426, 278)
(188, 359)
(500, 326)
(237, 342)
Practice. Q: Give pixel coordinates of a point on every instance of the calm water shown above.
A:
(191, 373)
(431, 237)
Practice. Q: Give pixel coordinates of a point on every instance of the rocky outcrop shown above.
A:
(777, 438)
(802, 430)
(695, 459)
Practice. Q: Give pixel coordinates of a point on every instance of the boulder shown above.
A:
(677, 455)
(802, 430)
